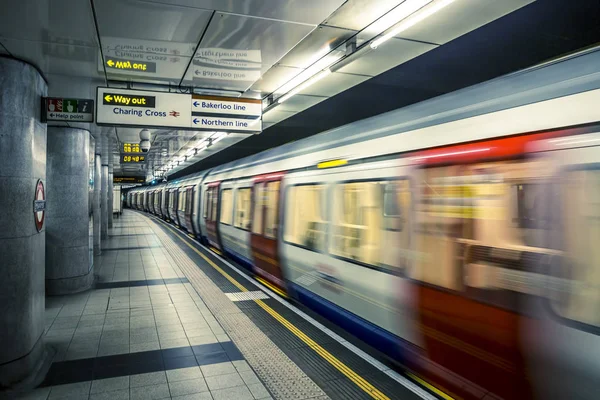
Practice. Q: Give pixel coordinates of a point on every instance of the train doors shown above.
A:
(165, 204)
(189, 201)
(267, 196)
(211, 214)
(173, 204)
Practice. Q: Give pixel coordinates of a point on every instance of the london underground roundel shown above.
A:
(39, 205)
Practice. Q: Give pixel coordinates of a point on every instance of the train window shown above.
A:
(369, 228)
(182, 199)
(242, 208)
(580, 198)
(271, 209)
(305, 223)
(528, 208)
(257, 215)
(226, 206)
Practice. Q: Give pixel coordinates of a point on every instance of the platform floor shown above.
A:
(169, 319)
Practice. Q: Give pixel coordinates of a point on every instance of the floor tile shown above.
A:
(182, 374)
(73, 389)
(258, 390)
(122, 394)
(110, 384)
(218, 369)
(237, 393)
(152, 392)
(152, 378)
(188, 387)
(224, 381)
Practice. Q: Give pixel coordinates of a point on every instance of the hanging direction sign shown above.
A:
(122, 107)
(142, 108)
(70, 110)
(229, 114)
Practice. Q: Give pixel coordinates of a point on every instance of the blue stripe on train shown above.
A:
(382, 340)
(243, 261)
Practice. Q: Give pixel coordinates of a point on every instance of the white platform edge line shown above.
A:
(413, 387)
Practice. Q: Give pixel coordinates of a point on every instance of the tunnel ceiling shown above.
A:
(259, 48)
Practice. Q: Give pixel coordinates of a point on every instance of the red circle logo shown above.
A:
(39, 205)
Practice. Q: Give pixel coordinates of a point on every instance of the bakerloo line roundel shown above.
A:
(456, 260)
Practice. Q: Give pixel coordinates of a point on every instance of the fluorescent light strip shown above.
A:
(311, 71)
(396, 15)
(412, 21)
(304, 85)
(218, 136)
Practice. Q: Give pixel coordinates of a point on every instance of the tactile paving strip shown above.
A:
(282, 377)
(243, 296)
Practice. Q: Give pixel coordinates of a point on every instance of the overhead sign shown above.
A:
(228, 114)
(228, 107)
(122, 107)
(71, 110)
(133, 159)
(39, 205)
(143, 108)
(131, 148)
(129, 64)
(128, 179)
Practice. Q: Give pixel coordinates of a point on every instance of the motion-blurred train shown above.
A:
(460, 236)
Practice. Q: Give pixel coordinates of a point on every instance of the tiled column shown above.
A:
(22, 244)
(68, 267)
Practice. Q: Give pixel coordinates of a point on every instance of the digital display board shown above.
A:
(133, 159)
(128, 179)
(131, 148)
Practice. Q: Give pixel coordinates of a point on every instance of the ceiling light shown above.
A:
(396, 15)
(413, 19)
(311, 71)
(304, 85)
(218, 136)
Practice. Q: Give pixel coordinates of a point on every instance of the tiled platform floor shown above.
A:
(142, 333)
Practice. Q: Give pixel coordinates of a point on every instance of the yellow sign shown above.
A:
(133, 159)
(131, 148)
(129, 65)
(332, 164)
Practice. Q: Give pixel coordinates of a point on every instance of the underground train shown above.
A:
(456, 235)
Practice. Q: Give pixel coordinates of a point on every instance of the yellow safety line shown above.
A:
(430, 387)
(340, 366)
(272, 287)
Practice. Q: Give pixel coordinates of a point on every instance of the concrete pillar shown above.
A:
(104, 201)
(91, 170)
(97, 212)
(68, 268)
(110, 195)
(22, 244)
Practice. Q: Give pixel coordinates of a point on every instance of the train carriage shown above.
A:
(455, 235)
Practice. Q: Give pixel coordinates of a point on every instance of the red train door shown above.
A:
(266, 201)
(211, 214)
(189, 200)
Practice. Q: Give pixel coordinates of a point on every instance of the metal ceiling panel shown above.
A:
(276, 115)
(66, 21)
(300, 102)
(236, 50)
(333, 84)
(53, 58)
(357, 14)
(273, 79)
(460, 17)
(316, 45)
(386, 56)
(302, 11)
(134, 19)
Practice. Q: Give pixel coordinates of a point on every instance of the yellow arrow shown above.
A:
(108, 98)
(110, 63)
